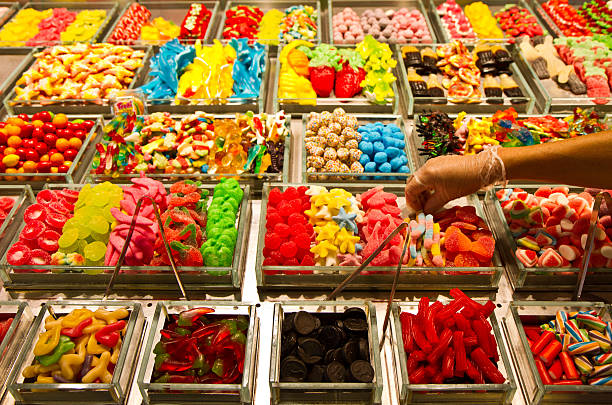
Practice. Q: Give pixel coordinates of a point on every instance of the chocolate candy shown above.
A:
(326, 347)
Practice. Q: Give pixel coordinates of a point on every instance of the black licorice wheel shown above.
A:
(362, 371)
(304, 323)
(336, 372)
(293, 369)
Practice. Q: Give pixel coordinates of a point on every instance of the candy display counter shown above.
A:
(221, 367)
(319, 257)
(529, 320)
(272, 21)
(41, 149)
(254, 148)
(47, 84)
(523, 228)
(156, 22)
(575, 18)
(452, 76)
(473, 375)
(45, 24)
(492, 20)
(110, 343)
(350, 155)
(388, 21)
(349, 372)
(15, 320)
(61, 248)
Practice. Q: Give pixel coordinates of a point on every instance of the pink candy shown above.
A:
(400, 26)
(454, 20)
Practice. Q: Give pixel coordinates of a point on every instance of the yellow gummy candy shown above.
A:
(84, 26)
(483, 22)
(22, 27)
(269, 27)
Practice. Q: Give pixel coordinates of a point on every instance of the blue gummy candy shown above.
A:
(396, 163)
(400, 144)
(366, 147)
(379, 147)
(380, 157)
(403, 169)
(385, 168)
(388, 141)
(404, 159)
(364, 159)
(393, 152)
(370, 167)
(204, 169)
(374, 136)
(366, 137)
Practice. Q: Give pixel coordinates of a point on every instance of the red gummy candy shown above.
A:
(456, 241)
(272, 240)
(45, 197)
(291, 193)
(69, 195)
(59, 208)
(48, 241)
(39, 256)
(273, 219)
(56, 220)
(283, 230)
(275, 197)
(467, 214)
(302, 240)
(33, 230)
(484, 248)
(307, 260)
(466, 259)
(183, 188)
(543, 192)
(296, 218)
(376, 201)
(35, 212)
(18, 255)
(288, 249)
(465, 225)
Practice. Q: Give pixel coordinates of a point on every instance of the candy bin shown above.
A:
(271, 22)
(46, 147)
(451, 75)
(569, 72)
(450, 352)
(575, 18)
(325, 352)
(317, 77)
(46, 84)
(105, 337)
(498, 20)
(15, 320)
(562, 350)
(343, 148)
(437, 133)
(387, 21)
(155, 23)
(219, 368)
(44, 24)
(75, 243)
(233, 77)
(254, 148)
(312, 237)
(543, 231)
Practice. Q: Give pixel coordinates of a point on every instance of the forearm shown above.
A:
(582, 161)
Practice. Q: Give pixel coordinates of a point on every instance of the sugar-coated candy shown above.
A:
(454, 20)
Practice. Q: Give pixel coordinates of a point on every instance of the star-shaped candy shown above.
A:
(315, 190)
(324, 248)
(327, 232)
(346, 220)
(345, 241)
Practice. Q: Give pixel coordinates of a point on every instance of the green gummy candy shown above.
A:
(68, 238)
(95, 251)
(98, 224)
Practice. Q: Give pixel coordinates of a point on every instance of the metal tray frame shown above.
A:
(231, 104)
(13, 7)
(494, 6)
(116, 392)
(110, 7)
(359, 104)
(212, 5)
(538, 278)
(11, 346)
(69, 106)
(447, 393)
(24, 54)
(142, 278)
(535, 392)
(324, 392)
(427, 104)
(359, 7)
(387, 178)
(253, 180)
(412, 278)
(168, 393)
(266, 5)
(23, 198)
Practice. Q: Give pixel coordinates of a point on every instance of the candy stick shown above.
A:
(603, 342)
(419, 355)
(457, 293)
(556, 370)
(550, 352)
(487, 367)
(449, 310)
(418, 377)
(483, 336)
(568, 382)
(448, 363)
(423, 310)
(573, 331)
(545, 338)
(438, 351)
(460, 358)
(583, 365)
(568, 366)
(437, 259)
(532, 332)
(420, 340)
(584, 348)
(603, 359)
(474, 373)
(561, 318)
(406, 321)
(463, 324)
(546, 380)
(585, 335)
(488, 309)
(566, 340)
(591, 321)
(602, 371)
(601, 381)
(609, 330)
(449, 323)
(429, 231)
(430, 327)
(470, 341)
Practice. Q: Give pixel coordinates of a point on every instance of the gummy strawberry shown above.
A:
(272, 220)
(18, 255)
(302, 240)
(322, 79)
(296, 218)
(35, 212)
(283, 230)
(288, 249)
(272, 240)
(275, 197)
(457, 241)
(466, 259)
(183, 188)
(48, 241)
(307, 260)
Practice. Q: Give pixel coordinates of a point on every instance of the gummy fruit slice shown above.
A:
(32, 230)
(48, 241)
(35, 212)
(18, 255)
(68, 238)
(56, 220)
(46, 197)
